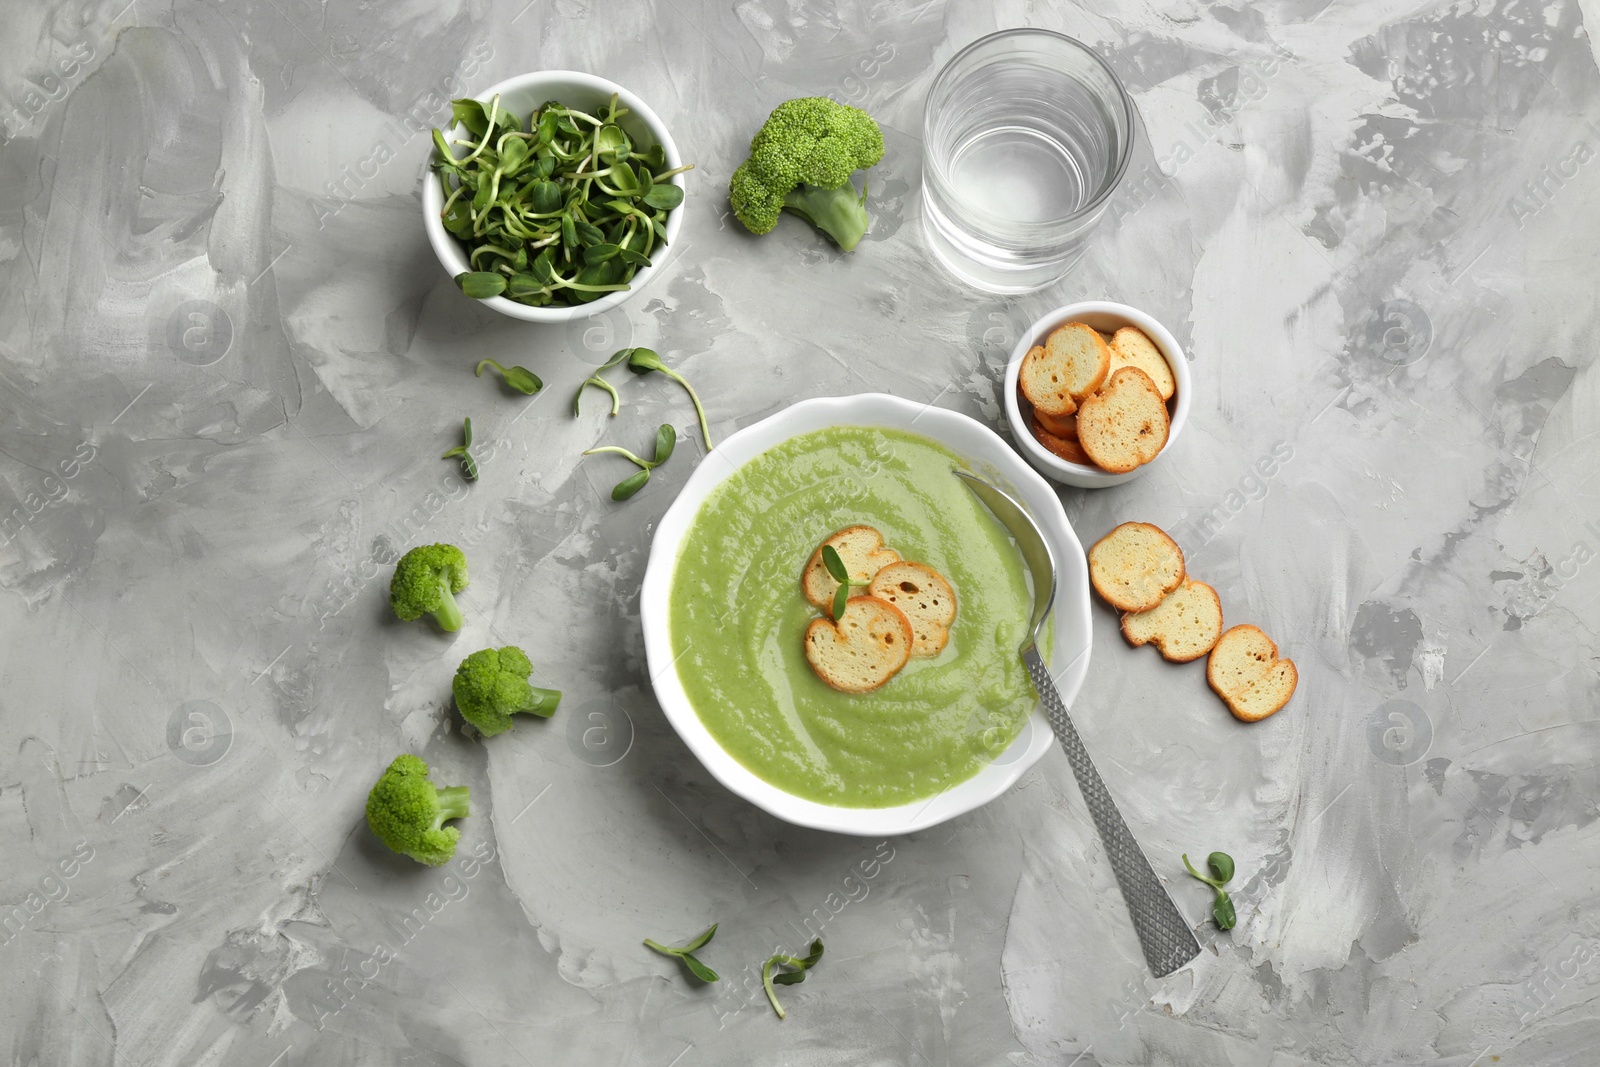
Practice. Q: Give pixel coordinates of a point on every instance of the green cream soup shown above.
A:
(738, 617)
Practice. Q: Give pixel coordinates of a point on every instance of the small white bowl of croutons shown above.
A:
(1095, 392)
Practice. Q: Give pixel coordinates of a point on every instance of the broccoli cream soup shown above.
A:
(738, 616)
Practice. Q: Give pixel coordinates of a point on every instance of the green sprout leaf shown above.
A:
(666, 440)
(630, 485)
(685, 953)
(469, 466)
(841, 574)
(646, 361)
(521, 379)
(1221, 865)
(798, 966)
(470, 114)
(703, 940)
(835, 565)
(666, 437)
(596, 380)
(480, 285)
(698, 969)
(664, 197)
(1222, 911)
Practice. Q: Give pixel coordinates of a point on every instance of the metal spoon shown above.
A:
(1164, 935)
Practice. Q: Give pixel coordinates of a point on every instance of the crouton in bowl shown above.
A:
(1096, 392)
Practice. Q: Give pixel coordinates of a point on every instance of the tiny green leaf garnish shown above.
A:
(644, 361)
(469, 466)
(1221, 865)
(685, 952)
(835, 565)
(666, 438)
(595, 380)
(841, 574)
(795, 975)
(521, 379)
(553, 211)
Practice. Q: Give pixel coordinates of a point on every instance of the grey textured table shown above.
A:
(230, 363)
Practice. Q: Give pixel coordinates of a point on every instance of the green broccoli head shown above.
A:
(492, 685)
(424, 582)
(802, 159)
(407, 813)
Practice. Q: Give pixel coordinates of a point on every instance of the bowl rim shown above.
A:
(453, 259)
(940, 424)
(1079, 474)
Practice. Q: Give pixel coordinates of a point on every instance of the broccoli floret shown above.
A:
(424, 581)
(802, 159)
(407, 813)
(492, 685)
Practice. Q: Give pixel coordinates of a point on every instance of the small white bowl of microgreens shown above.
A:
(554, 196)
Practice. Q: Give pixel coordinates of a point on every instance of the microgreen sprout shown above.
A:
(595, 380)
(685, 953)
(469, 466)
(521, 379)
(556, 210)
(1221, 866)
(644, 360)
(666, 440)
(841, 574)
(795, 975)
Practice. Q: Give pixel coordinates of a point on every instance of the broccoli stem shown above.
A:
(543, 702)
(452, 803)
(447, 613)
(840, 213)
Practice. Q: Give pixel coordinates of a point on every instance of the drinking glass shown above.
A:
(1026, 134)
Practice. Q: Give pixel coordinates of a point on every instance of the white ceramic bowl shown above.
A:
(990, 457)
(585, 92)
(1105, 316)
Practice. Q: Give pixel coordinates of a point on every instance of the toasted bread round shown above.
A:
(1044, 386)
(1245, 671)
(1125, 424)
(1070, 365)
(863, 553)
(925, 598)
(863, 649)
(1183, 627)
(1132, 347)
(1134, 566)
(1060, 425)
(1066, 448)
(1083, 351)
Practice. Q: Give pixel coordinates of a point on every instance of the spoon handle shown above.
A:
(1164, 935)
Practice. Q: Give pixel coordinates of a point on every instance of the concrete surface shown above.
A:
(229, 362)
